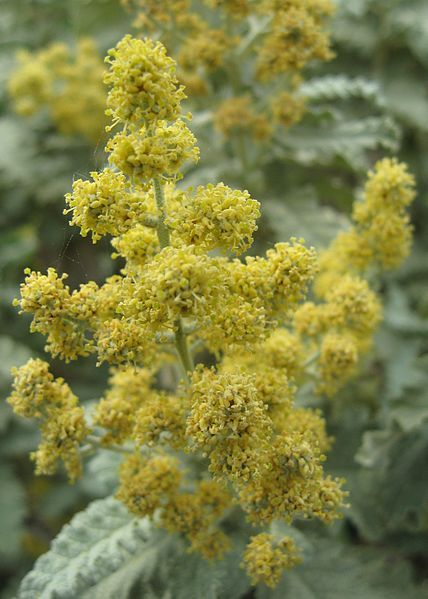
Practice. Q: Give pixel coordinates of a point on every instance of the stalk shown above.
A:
(180, 336)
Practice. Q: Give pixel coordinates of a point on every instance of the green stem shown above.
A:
(180, 334)
(163, 231)
(96, 443)
(183, 349)
(311, 359)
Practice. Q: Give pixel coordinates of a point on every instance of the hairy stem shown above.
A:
(96, 443)
(183, 349)
(180, 334)
(163, 231)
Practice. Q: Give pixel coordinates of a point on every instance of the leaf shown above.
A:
(407, 99)
(98, 542)
(101, 476)
(392, 494)
(335, 571)
(12, 353)
(410, 19)
(349, 139)
(399, 316)
(120, 584)
(12, 512)
(189, 576)
(298, 214)
(341, 87)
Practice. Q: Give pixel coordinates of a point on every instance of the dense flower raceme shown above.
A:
(291, 34)
(69, 84)
(182, 289)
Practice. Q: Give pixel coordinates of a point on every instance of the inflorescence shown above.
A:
(182, 289)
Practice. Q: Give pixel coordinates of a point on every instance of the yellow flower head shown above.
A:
(129, 390)
(69, 84)
(296, 38)
(144, 155)
(207, 48)
(284, 350)
(178, 282)
(266, 559)
(225, 407)
(138, 246)
(353, 306)
(144, 87)
(160, 419)
(390, 185)
(33, 385)
(195, 515)
(104, 205)
(291, 267)
(237, 117)
(31, 85)
(217, 216)
(152, 12)
(337, 361)
(236, 8)
(147, 483)
(37, 394)
(288, 109)
(57, 313)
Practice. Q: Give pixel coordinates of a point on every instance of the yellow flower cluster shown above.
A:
(207, 49)
(129, 390)
(296, 38)
(37, 394)
(137, 246)
(266, 559)
(196, 516)
(148, 482)
(105, 205)
(272, 460)
(226, 407)
(143, 85)
(341, 327)
(293, 35)
(158, 152)
(216, 216)
(237, 8)
(381, 234)
(69, 84)
(157, 13)
(58, 314)
(288, 108)
(237, 117)
(173, 298)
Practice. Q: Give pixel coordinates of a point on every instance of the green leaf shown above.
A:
(97, 543)
(101, 476)
(12, 512)
(348, 139)
(120, 584)
(299, 214)
(12, 353)
(192, 577)
(335, 571)
(340, 87)
(106, 553)
(391, 494)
